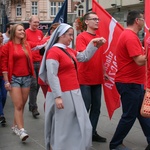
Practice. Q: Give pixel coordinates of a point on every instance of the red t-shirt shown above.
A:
(91, 72)
(129, 46)
(9, 51)
(21, 66)
(148, 69)
(67, 73)
(34, 36)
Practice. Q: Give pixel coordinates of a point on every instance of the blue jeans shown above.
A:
(3, 95)
(92, 98)
(131, 98)
(34, 88)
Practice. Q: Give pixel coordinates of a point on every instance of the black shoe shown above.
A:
(2, 120)
(98, 138)
(35, 112)
(148, 147)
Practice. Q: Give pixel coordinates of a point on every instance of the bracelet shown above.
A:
(6, 82)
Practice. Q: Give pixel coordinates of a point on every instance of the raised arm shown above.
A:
(91, 48)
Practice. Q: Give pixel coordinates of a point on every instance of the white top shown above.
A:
(5, 38)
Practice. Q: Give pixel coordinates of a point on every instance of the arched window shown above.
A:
(80, 11)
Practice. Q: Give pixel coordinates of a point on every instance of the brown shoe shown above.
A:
(35, 112)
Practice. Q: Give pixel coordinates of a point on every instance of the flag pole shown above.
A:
(87, 5)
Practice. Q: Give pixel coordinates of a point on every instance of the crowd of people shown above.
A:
(71, 80)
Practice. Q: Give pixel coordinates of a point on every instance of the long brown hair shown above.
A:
(23, 40)
(1, 42)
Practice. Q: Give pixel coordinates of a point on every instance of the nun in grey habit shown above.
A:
(67, 126)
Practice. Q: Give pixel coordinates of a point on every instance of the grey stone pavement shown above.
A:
(34, 127)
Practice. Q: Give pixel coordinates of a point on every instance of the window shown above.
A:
(80, 11)
(53, 9)
(34, 8)
(18, 10)
(59, 5)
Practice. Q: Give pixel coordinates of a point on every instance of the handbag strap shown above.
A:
(75, 64)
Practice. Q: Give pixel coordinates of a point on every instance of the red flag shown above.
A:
(147, 21)
(110, 29)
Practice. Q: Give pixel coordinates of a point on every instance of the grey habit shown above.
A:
(68, 128)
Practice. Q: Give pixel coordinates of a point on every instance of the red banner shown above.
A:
(147, 21)
(110, 29)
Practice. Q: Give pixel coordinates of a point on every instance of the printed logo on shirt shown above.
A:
(39, 38)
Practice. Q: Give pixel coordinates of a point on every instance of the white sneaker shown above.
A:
(22, 134)
(15, 130)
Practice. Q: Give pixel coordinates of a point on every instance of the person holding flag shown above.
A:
(130, 80)
(90, 74)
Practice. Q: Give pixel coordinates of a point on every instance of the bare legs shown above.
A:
(19, 98)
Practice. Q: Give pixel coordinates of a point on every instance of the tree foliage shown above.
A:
(80, 24)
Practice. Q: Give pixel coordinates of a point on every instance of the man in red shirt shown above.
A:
(90, 74)
(129, 80)
(34, 35)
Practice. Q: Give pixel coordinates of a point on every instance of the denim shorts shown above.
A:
(21, 81)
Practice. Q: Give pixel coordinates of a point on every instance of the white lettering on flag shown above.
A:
(112, 26)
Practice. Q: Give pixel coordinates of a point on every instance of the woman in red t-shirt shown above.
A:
(17, 69)
(65, 110)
